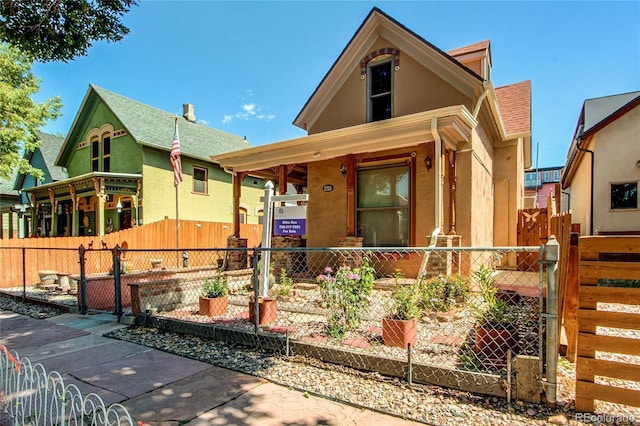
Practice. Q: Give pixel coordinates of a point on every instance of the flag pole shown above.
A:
(176, 162)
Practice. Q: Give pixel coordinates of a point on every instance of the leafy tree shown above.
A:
(20, 116)
(60, 30)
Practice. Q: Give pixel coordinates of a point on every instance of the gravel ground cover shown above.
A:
(428, 404)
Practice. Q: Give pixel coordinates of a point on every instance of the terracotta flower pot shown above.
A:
(399, 333)
(267, 311)
(494, 343)
(213, 307)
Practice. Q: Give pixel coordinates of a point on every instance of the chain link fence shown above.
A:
(446, 316)
(452, 317)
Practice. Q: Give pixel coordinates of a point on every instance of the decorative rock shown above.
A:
(558, 419)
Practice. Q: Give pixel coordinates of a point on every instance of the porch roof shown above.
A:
(114, 183)
(454, 126)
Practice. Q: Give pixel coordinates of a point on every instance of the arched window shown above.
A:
(100, 146)
(242, 216)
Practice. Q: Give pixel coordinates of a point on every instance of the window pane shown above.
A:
(389, 227)
(95, 149)
(381, 78)
(95, 165)
(383, 187)
(381, 108)
(624, 196)
(106, 146)
(199, 180)
(106, 162)
(383, 206)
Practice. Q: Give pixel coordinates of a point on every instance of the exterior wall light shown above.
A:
(427, 163)
(343, 169)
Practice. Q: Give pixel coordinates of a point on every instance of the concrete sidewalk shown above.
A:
(164, 389)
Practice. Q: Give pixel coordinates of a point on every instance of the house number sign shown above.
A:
(327, 188)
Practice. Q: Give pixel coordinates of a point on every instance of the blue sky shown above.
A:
(249, 67)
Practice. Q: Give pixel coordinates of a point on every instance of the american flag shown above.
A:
(175, 157)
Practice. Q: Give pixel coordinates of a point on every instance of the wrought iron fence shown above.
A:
(31, 396)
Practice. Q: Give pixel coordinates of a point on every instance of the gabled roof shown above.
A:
(6, 185)
(154, 127)
(596, 114)
(378, 24)
(49, 148)
(514, 101)
(475, 47)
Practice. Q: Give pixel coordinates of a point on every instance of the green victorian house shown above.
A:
(116, 155)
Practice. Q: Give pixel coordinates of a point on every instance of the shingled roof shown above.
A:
(514, 101)
(50, 146)
(154, 127)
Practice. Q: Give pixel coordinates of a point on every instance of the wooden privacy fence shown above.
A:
(608, 321)
(24, 257)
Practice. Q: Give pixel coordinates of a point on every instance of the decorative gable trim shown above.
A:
(105, 128)
(384, 51)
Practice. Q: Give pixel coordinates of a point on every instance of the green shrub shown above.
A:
(443, 293)
(495, 313)
(285, 286)
(215, 287)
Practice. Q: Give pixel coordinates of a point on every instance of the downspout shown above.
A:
(438, 177)
(588, 151)
(476, 109)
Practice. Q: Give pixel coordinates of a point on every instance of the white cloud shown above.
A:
(205, 122)
(246, 112)
(250, 108)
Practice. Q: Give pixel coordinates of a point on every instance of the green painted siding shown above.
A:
(126, 154)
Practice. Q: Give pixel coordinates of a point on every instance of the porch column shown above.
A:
(54, 213)
(134, 199)
(237, 179)
(351, 195)
(75, 217)
(452, 192)
(282, 180)
(136, 203)
(99, 187)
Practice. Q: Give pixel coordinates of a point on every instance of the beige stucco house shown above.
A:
(403, 138)
(602, 171)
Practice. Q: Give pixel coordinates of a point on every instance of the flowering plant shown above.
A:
(346, 292)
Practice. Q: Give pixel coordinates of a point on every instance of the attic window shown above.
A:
(380, 83)
(375, 54)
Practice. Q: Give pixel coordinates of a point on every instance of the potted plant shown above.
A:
(214, 300)
(267, 310)
(495, 318)
(400, 326)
